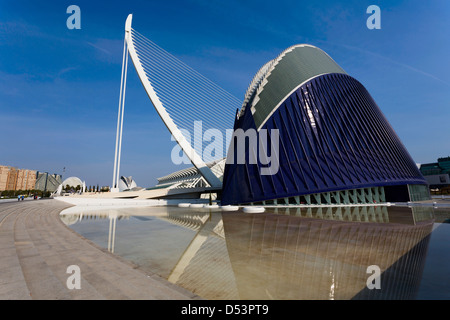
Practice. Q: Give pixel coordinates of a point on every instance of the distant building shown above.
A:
(12, 178)
(47, 182)
(73, 182)
(127, 183)
(26, 179)
(437, 173)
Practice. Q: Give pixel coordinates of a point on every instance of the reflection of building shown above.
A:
(290, 257)
(204, 250)
(437, 173)
(334, 146)
(316, 253)
(16, 179)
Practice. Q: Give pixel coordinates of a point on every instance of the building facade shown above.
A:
(4, 172)
(437, 173)
(334, 144)
(12, 178)
(47, 182)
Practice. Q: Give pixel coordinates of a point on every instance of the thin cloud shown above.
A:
(66, 70)
(426, 74)
(99, 48)
(107, 50)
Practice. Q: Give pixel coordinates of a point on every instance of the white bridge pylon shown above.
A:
(178, 93)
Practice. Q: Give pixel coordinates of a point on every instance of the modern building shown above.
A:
(128, 184)
(437, 173)
(73, 182)
(47, 182)
(334, 144)
(12, 178)
(191, 177)
(306, 132)
(70, 184)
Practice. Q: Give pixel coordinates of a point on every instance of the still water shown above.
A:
(307, 253)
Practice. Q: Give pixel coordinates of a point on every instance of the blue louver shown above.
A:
(332, 136)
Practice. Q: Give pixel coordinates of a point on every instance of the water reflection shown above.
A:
(293, 253)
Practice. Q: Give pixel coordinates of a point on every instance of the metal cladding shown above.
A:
(332, 135)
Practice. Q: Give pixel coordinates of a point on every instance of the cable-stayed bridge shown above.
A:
(188, 103)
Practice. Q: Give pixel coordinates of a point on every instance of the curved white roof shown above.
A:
(126, 183)
(72, 181)
(279, 77)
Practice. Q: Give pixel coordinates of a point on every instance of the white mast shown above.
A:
(123, 83)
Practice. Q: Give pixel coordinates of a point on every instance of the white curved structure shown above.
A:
(126, 183)
(190, 105)
(72, 182)
(191, 177)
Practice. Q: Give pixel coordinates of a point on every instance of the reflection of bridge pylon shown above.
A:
(112, 232)
(212, 225)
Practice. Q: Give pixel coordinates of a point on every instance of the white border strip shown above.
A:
(285, 97)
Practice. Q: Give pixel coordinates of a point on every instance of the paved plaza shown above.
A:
(36, 250)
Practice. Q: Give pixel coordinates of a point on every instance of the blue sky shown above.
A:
(59, 88)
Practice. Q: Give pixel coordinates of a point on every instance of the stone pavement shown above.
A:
(36, 248)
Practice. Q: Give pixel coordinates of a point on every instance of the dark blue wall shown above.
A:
(333, 137)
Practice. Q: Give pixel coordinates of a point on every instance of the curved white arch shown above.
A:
(196, 160)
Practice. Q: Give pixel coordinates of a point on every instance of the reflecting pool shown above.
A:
(287, 253)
